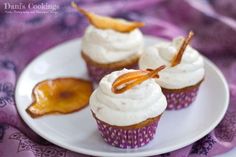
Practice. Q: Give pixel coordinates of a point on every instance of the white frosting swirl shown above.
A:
(131, 107)
(189, 72)
(106, 46)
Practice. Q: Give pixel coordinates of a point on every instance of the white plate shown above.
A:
(77, 131)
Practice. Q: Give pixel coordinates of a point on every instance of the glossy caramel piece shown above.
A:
(61, 95)
(103, 22)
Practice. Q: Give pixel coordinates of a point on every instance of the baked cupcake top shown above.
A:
(188, 72)
(107, 45)
(133, 106)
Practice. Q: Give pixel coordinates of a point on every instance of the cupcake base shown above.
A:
(129, 136)
(97, 71)
(181, 98)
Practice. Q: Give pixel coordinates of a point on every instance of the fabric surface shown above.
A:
(23, 36)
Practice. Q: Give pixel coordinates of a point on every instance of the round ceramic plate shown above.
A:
(78, 131)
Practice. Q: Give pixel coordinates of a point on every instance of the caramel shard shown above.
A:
(103, 22)
(62, 95)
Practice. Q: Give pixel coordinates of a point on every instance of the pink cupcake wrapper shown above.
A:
(96, 73)
(127, 138)
(180, 100)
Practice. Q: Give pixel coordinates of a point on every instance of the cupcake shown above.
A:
(110, 44)
(105, 51)
(181, 79)
(127, 117)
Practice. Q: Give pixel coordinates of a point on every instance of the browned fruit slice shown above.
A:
(131, 79)
(62, 95)
(177, 58)
(107, 22)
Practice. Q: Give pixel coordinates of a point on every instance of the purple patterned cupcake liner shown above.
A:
(123, 137)
(180, 99)
(97, 73)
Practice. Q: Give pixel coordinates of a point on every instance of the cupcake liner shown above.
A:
(96, 73)
(123, 137)
(180, 99)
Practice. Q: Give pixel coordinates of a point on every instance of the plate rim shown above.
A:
(122, 154)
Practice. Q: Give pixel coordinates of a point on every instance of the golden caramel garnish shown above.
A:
(131, 79)
(177, 59)
(62, 95)
(103, 22)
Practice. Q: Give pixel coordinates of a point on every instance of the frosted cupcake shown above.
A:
(110, 44)
(181, 79)
(127, 118)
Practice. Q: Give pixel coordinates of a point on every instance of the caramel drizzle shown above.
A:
(131, 79)
(177, 59)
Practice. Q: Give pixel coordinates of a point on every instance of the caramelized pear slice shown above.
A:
(107, 22)
(131, 79)
(177, 58)
(61, 95)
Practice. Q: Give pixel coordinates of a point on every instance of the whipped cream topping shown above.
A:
(106, 46)
(135, 105)
(189, 72)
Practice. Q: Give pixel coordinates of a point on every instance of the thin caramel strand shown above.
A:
(177, 59)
